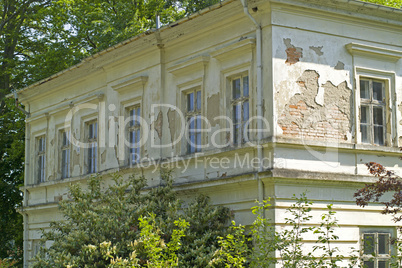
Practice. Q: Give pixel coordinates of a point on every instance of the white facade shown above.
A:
(319, 61)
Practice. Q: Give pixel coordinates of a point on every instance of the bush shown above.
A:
(118, 215)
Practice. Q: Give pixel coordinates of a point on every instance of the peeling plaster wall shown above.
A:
(314, 82)
(308, 101)
(307, 118)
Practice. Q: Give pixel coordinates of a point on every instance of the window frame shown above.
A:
(375, 256)
(92, 158)
(372, 103)
(235, 102)
(133, 128)
(390, 123)
(65, 148)
(193, 116)
(40, 158)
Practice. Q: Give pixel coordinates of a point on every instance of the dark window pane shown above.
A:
(383, 264)
(190, 102)
(198, 125)
(138, 138)
(192, 124)
(64, 138)
(236, 88)
(245, 111)
(192, 143)
(364, 114)
(94, 130)
(377, 91)
(237, 130)
(94, 156)
(132, 117)
(198, 100)
(198, 142)
(236, 113)
(138, 115)
(383, 244)
(91, 132)
(379, 135)
(63, 163)
(364, 89)
(369, 264)
(132, 138)
(365, 133)
(369, 244)
(378, 115)
(245, 86)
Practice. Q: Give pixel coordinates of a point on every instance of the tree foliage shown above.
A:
(267, 245)
(11, 174)
(117, 215)
(388, 182)
(41, 37)
(390, 3)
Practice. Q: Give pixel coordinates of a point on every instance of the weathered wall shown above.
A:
(309, 103)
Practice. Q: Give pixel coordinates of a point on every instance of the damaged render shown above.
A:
(303, 117)
(293, 53)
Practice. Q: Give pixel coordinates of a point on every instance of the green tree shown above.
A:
(116, 215)
(390, 3)
(11, 174)
(39, 38)
(264, 242)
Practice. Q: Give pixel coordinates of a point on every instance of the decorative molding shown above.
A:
(372, 51)
(129, 83)
(182, 68)
(239, 47)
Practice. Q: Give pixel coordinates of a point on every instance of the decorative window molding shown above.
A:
(128, 83)
(188, 66)
(228, 51)
(372, 51)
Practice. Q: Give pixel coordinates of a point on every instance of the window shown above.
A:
(41, 145)
(372, 111)
(36, 246)
(240, 108)
(65, 154)
(376, 249)
(92, 147)
(134, 131)
(193, 116)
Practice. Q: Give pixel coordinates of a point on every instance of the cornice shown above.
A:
(128, 83)
(182, 68)
(372, 51)
(239, 47)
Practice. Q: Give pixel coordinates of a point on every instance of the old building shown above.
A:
(321, 79)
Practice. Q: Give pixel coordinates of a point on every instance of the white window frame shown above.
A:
(92, 142)
(375, 256)
(370, 104)
(65, 153)
(134, 128)
(41, 158)
(240, 100)
(388, 78)
(193, 119)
